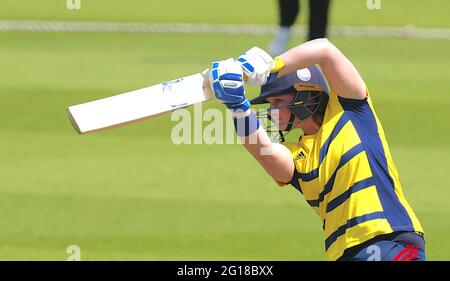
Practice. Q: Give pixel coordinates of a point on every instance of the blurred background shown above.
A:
(131, 194)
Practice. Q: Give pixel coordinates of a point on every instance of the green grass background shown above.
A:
(129, 193)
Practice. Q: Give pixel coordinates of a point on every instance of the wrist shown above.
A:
(247, 124)
(278, 64)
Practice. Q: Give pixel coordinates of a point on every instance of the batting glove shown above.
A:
(259, 67)
(226, 78)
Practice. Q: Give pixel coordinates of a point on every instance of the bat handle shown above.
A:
(205, 74)
(206, 84)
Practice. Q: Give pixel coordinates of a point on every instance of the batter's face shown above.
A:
(281, 116)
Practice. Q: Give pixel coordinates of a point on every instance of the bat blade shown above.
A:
(137, 105)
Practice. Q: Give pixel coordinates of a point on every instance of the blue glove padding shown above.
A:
(226, 78)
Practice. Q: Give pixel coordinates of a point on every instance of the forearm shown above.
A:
(258, 144)
(273, 157)
(309, 53)
(340, 73)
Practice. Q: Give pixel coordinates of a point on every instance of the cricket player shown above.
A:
(342, 164)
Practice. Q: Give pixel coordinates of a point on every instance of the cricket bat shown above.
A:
(137, 105)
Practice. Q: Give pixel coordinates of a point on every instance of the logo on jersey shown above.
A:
(300, 156)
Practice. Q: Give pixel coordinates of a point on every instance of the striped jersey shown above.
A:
(346, 174)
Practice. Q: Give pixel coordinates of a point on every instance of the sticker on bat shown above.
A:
(167, 86)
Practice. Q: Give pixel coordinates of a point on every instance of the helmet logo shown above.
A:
(304, 74)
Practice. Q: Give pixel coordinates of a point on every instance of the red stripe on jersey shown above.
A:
(401, 253)
(411, 255)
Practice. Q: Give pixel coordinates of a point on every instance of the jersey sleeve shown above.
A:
(337, 104)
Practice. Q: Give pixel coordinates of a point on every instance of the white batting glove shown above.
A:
(259, 67)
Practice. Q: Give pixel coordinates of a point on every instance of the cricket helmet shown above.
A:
(310, 90)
